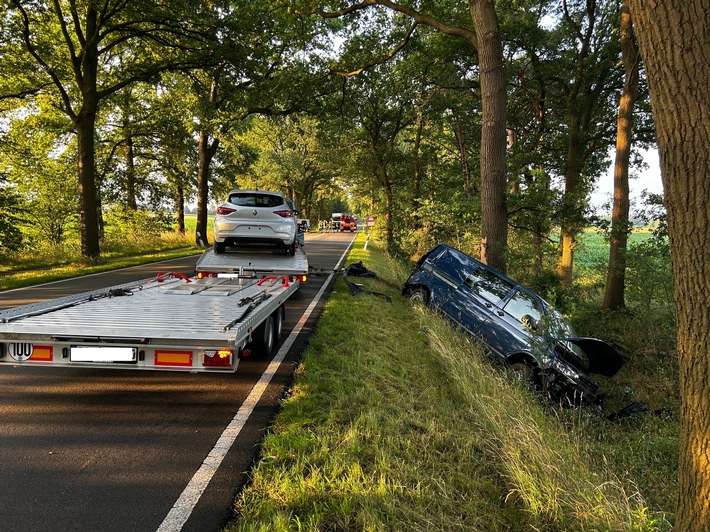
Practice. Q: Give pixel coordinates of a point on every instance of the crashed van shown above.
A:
(515, 325)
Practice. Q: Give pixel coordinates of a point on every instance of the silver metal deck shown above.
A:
(260, 261)
(201, 310)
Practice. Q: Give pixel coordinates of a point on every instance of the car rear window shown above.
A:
(250, 199)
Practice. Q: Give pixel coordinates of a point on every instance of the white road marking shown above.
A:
(181, 510)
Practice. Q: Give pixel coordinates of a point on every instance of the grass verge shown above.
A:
(396, 422)
(28, 275)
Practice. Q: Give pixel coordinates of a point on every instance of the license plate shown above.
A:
(102, 354)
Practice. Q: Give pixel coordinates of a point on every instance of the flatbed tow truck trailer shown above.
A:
(172, 322)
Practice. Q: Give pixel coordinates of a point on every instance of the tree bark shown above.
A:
(130, 175)
(620, 226)
(206, 151)
(180, 207)
(571, 204)
(673, 39)
(494, 211)
(85, 122)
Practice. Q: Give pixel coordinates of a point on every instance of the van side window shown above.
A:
(488, 285)
(523, 304)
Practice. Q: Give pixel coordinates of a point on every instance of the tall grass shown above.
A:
(396, 422)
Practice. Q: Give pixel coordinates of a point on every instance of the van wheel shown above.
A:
(522, 372)
(418, 295)
(263, 338)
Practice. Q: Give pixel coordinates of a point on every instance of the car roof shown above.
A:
(482, 265)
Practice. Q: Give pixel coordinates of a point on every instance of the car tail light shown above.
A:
(283, 214)
(225, 210)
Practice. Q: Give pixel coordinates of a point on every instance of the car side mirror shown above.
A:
(529, 322)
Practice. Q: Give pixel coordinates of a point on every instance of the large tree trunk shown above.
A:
(85, 123)
(130, 175)
(571, 200)
(673, 38)
(206, 151)
(494, 211)
(180, 207)
(616, 273)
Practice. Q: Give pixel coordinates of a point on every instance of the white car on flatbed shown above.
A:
(172, 322)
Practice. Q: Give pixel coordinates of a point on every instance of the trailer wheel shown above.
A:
(263, 338)
(278, 316)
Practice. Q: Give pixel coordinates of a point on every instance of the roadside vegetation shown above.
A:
(395, 421)
(129, 239)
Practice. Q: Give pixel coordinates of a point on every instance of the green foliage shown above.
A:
(127, 227)
(11, 209)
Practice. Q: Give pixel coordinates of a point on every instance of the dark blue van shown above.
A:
(516, 326)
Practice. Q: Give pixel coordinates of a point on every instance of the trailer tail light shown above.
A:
(173, 358)
(221, 358)
(204, 275)
(302, 278)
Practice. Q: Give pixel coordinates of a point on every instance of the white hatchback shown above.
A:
(255, 217)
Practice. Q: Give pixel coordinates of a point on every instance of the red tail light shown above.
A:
(224, 210)
(285, 214)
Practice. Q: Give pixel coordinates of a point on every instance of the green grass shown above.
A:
(395, 422)
(44, 262)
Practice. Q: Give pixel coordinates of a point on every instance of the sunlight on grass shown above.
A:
(396, 422)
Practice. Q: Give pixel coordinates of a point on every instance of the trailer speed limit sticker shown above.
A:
(20, 352)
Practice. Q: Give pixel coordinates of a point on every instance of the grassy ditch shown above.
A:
(396, 422)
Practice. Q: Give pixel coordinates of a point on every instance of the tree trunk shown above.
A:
(206, 151)
(180, 207)
(85, 123)
(130, 175)
(674, 46)
(620, 226)
(494, 212)
(571, 203)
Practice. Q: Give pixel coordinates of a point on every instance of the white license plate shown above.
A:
(82, 353)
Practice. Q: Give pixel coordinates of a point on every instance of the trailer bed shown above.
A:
(253, 260)
(166, 323)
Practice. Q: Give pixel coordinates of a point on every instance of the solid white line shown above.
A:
(181, 510)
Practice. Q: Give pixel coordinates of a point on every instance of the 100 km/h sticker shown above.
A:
(20, 352)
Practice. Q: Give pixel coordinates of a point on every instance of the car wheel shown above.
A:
(263, 338)
(418, 295)
(291, 250)
(522, 372)
(220, 247)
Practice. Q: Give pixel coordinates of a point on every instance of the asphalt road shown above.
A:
(84, 449)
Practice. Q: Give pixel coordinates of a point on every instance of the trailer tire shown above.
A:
(278, 316)
(263, 338)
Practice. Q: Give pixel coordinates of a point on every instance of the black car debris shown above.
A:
(515, 325)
